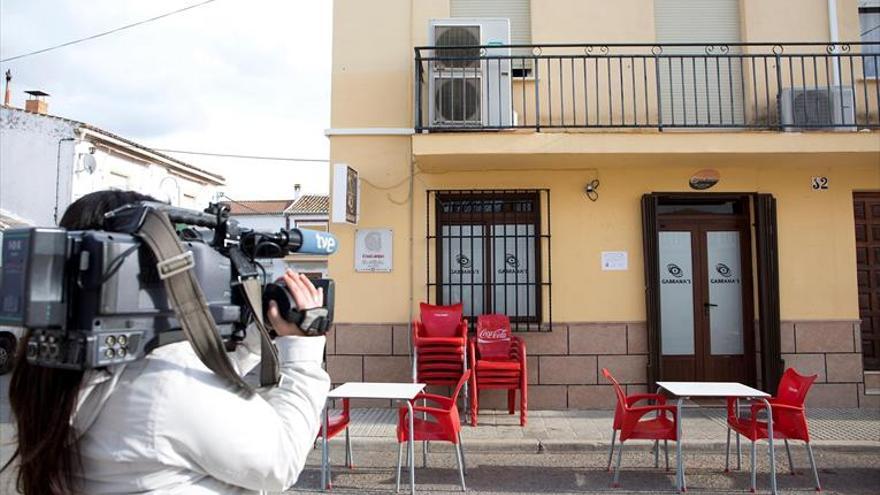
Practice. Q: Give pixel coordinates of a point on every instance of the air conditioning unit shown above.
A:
(465, 90)
(818, 108)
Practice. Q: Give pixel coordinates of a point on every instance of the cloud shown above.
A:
(244, 77)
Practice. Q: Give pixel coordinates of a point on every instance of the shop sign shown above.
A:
(346, 194)
(373, 250)
(704, 179)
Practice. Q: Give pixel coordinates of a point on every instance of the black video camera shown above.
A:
(96, 298)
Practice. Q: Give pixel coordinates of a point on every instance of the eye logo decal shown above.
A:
(511, 260)
(723, 270)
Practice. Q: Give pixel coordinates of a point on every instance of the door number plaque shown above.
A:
(819, 183)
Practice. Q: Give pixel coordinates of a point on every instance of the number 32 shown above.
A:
(820, 183)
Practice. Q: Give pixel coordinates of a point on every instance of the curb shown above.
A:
(535, 446)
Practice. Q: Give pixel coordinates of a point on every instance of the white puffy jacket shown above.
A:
(167, 425)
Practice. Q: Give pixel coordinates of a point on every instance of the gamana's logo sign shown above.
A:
(511, 265)
(726, 275)
(511, 261)
(704, 179)
(723, 270)
(463, 261)
(677, 275)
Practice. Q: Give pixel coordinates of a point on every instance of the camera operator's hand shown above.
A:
(306, 296)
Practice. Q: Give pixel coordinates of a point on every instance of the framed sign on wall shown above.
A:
(346, 194)
(373, 250)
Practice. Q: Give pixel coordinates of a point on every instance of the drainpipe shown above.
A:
(412, 270)
(835, 38)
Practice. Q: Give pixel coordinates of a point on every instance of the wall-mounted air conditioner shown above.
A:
(818, 108)
(463, 89)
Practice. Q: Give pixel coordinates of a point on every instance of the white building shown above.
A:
(47, 162)
(306, 212)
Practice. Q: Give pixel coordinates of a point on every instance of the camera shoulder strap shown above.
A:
(268, 353)
(174, 265)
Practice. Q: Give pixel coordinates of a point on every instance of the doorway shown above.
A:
(705, 290)
(866, 210)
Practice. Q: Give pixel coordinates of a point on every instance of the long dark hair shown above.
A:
(44, 399)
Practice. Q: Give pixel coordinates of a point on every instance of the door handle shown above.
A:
(709, 305)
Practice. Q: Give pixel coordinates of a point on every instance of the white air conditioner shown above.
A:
(818, 108)
(463, 90)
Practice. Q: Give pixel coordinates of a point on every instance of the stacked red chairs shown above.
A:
(789, 421)
(498, 360)
(439, 339)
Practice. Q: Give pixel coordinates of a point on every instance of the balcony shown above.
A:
(701, 87)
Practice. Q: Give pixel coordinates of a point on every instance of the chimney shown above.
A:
(7, 98)
(37, 102)
(296, 191)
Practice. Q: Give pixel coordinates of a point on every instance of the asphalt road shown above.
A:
(840, 472)
(510, 473)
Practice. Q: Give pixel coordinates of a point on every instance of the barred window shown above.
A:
(490, 250)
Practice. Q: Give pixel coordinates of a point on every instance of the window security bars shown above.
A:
(490, 251)
(783, 86)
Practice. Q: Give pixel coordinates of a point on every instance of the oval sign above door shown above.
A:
(704, 179)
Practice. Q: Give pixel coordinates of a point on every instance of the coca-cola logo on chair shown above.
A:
(486, 334)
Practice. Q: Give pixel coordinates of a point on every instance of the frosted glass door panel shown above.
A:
(725, 292)
(676, 294)
(463, 273)
(513, 253)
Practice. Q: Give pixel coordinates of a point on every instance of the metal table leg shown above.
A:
(770, 441)
(411, 448)
(325, 455)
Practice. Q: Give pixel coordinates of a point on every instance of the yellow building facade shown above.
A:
(581, 202)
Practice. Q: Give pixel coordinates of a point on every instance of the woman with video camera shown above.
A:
(166, 423)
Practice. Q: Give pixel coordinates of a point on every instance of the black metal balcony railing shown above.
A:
(747, 85)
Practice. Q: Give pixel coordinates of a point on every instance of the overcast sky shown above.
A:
(245, 77)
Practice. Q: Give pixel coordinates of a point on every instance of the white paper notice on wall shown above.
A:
(373, 250)
(614, 261)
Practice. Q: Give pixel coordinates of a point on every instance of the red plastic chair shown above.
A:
(498, 360)
(436, 424)
(439, 338)
(660, 399)
(789, 420)
(336, 423)
(633, 426)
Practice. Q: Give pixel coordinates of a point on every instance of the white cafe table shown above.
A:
(404, 392)
(718, 390)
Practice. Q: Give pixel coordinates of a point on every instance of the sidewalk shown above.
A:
(579, 430)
